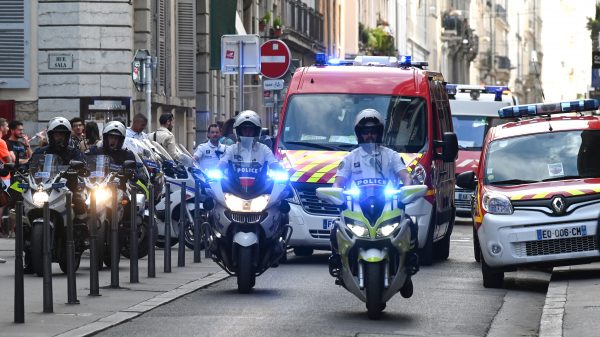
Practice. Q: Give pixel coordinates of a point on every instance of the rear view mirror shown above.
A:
(76, 164)
(449, 145)
(332, 195)
(129, 164)
(411, 193)
(466, 180)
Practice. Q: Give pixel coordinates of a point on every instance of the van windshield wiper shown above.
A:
(513, 182)
(317, 146)
(562, 178)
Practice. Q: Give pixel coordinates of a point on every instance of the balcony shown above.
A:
(303, 26)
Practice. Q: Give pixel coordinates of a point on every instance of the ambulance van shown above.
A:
(317, 130)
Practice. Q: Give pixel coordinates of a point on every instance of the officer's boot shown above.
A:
(335, 262)
(412, 258)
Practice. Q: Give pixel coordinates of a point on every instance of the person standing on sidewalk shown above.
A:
(165, 137)
(136, 130)
(208, 154)
(18, 141)
(6, 157)
(78, 134)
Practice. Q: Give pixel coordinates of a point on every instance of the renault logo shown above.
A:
(559, 205)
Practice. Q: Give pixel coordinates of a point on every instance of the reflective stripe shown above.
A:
(143, 187)
(15, 186)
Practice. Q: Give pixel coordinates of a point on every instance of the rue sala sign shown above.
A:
(60, 61)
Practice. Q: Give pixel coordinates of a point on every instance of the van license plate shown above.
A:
(560, 233)
(463, 196)
(327, 223)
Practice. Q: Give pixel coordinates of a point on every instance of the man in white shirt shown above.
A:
(371, 161)
(136, 130)
(208, 154)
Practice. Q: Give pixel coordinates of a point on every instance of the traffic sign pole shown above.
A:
(241, 75)
(148, 83)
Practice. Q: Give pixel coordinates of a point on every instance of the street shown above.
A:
(299, 298)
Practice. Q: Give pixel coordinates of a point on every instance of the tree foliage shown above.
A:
(375, 41)
(593, 25)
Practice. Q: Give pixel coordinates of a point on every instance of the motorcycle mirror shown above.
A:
(332, 195)
(76, 164)
(129, 164)
(9, 166)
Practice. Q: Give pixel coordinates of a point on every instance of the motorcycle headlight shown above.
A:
(387, 229)
(255, 205)
(495, 203)
(358, 228)
(39, 198)
(103, 195)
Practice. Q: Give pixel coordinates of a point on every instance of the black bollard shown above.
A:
(151, 238)
(197, 236)
(92, 222)
(47, 260)
(19, 285)
(167, 267)
(70, 250)
(182, 222)
(133, 240)
(114, 240)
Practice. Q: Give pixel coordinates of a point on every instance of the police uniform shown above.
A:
(208, 155)
(260, 153)
(383, 163)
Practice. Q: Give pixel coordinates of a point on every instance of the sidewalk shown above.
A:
(572, 307)
(96, 313)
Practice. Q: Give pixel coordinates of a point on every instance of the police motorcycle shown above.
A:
(249, 228)
(374, 237)
(47, 181)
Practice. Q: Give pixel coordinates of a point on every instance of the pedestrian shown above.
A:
(165, 137)
(78, 134)
(18, 141)
(228, 137)
(6, 156)
(92, 134)
(138, 124)
(208, 154)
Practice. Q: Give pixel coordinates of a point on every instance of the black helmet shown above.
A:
(368, 119)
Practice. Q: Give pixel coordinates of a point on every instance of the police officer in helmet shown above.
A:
(371, 160)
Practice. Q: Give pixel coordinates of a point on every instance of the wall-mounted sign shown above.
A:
(60, 61)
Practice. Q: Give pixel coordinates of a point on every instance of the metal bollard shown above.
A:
(92, 221)
(151, 235)
(47, 260)
(197, 236)
(70, 250)
(19, 285)
(167, 267)
(182, 223)
(114, 241)
(133, 240)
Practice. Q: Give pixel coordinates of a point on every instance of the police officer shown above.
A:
(208, 154)
(247, 128)
(370, 160)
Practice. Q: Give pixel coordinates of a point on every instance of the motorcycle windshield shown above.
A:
(98, 166)
(44, 167)
(158, 149)
(248, 179)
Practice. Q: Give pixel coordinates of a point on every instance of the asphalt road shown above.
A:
(300, 299)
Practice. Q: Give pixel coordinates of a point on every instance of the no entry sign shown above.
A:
(275, 58)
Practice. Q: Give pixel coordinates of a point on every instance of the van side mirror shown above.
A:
(467, 180)
(449, 144)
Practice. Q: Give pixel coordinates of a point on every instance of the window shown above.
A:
(14, 44)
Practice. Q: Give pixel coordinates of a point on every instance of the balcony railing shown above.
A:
(303, 20)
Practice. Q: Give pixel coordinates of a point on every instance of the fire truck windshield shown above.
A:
(326, 121)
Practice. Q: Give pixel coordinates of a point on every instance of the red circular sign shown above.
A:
(275, 59)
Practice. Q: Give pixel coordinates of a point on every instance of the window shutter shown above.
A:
(186, 48)
(162, 47)
(14, 44)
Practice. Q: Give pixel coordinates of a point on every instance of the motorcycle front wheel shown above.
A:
(374, 289)
(37, 249)
(245, 272)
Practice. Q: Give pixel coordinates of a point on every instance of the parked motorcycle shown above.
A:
(373, 240)
(249, 230)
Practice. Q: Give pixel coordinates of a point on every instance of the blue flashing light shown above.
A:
(451, 89)
(390, 191)
(498, 90)
(405, 61)
(339, 62)
(355, 192)
(279, 176)
(320, 59)
(549, 108)
(214, 174)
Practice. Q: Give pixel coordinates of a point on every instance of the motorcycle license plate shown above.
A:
(327, 223)
(561, 233)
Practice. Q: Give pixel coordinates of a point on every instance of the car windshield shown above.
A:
(543, 157)
(326, 121)
(471, 130)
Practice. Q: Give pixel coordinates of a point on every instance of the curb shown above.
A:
(551, 322)
(130, 313)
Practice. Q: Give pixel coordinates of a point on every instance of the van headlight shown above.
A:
(255, 205)
(387, 229)
(495, 203)
(39, 198)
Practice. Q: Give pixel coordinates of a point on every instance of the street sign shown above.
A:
(137, 68)
(231, 53)
(275, 58)
(273, 84)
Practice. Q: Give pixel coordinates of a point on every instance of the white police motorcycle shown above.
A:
(249, 230)
(373, 239)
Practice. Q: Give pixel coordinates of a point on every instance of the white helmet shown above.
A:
(247, 118)
(59, 124)
(114, 128)
(368, 119)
